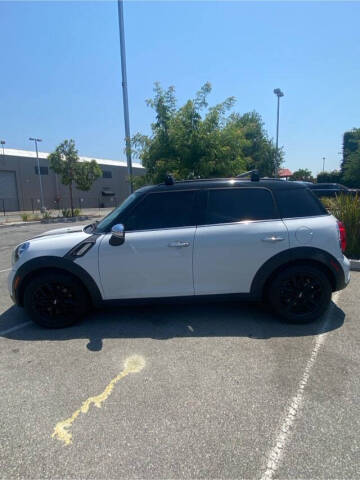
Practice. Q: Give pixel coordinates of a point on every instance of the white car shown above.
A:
(220, 238)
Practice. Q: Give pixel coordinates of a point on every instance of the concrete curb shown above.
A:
(80, 218)
(355, 265)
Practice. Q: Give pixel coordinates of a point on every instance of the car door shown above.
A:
(240, 231)
(156, 258)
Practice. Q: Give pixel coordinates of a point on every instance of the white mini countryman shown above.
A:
(258, 239)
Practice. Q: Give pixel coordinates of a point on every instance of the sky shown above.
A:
(60, 72)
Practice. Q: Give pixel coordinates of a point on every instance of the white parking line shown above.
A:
(277, 452)
(17, 327)
(6, 270)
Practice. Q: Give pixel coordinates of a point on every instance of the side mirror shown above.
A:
(117, 235)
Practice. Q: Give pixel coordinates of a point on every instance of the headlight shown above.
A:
(19, 250)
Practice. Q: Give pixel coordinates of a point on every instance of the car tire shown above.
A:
(300, 294)
(55, 300)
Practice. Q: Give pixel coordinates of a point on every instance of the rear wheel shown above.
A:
(300, 294)
(55, 300)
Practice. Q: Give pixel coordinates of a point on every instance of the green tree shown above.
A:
(302, 174)
(329, 177)
(351, 144)
(65, 162)
(196, 140)
(351, 176)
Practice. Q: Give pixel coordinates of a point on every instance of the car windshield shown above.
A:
(104, 224)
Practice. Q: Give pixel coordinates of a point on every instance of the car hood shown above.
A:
(62, 231)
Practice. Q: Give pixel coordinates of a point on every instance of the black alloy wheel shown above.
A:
(300, 293)
(55, 300)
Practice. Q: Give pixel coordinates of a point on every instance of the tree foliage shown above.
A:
(350, 166)
(65, 162)
(196, 140)
(329, 177)
(302, 174)
(351, 175)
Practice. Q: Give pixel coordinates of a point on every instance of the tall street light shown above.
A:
(2, 142)
(323, 159)
(124, 91)
(279, 94)
(36, 140)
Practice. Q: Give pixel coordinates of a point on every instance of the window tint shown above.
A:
(107, 174)
(238, 204)
(298, 203)
(162, 210)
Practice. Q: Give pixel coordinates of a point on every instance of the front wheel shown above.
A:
(55, 300)
(300, 294)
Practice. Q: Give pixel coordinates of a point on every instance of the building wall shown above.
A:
(57, 195)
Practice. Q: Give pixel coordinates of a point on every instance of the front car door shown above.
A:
(240, 231)
(156, 258)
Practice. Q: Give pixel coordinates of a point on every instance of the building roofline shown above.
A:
(12, 152)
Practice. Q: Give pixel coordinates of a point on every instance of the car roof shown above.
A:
(201, 184)
(327, 185)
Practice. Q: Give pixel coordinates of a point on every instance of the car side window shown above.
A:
(239, 204)
(299, 203)
(162, 210)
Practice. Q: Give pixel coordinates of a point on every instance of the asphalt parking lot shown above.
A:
(185, 391)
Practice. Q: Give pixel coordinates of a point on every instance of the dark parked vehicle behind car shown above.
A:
(331, 189)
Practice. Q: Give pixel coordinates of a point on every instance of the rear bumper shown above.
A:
(343, 280)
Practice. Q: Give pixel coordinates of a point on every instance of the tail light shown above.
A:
(342, 235)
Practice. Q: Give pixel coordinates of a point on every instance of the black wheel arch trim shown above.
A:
(294, 255)
(36, 265)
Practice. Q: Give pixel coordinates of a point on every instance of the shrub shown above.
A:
(46, 214)
(66, 212)
(25, 217)
(346, 208)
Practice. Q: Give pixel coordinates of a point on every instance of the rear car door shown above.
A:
(240, 231)
(156, 258)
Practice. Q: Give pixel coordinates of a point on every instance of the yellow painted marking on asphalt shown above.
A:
(132, 364)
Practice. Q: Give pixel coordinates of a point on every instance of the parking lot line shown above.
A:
(277, 452)
(132, 364)
(6, 270)
(16, 327)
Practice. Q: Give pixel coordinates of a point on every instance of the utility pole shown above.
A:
(125, 91)
(323, 164)
(36, 140)
(279, 94)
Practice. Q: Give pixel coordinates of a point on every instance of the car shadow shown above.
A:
(164, 322)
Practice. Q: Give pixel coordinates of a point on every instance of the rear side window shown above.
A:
(298, 203)
(239, 204)
(162, 210)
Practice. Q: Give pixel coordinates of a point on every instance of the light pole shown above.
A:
(323, 164)
(36, 140)
(279, 94)
(124, 90)
(2, 142)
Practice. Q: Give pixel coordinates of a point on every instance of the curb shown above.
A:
(80, 218)
(355, 265)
